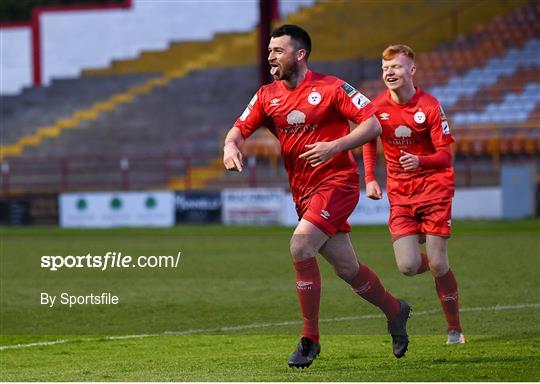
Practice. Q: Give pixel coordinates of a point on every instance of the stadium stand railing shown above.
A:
(184, 105)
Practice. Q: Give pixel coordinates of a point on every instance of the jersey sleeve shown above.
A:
(439, 128)
(253, 116)
(369, 153)
(352, 104)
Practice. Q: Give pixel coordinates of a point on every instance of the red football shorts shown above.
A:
(421, 219)
(330, 206)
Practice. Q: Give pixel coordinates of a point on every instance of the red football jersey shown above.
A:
(418, 127)
(318, 109)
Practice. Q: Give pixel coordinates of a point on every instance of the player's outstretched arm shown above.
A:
(320, 152)
(232, 157)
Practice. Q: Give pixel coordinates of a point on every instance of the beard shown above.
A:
(285, 71)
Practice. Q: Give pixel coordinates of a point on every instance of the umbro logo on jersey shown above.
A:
(325, 214)
(274, 102)
(384, 116)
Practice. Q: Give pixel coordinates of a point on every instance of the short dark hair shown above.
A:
(297, 34)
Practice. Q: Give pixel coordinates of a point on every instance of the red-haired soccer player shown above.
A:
(308, 113)
(420, 178)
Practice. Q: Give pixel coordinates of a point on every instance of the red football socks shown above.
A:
(308, 288)
(368, 286)
(424, 264)
(447, 291)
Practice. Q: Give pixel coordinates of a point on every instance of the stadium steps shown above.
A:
(473, 49)
(515, 82)
(341, 30)
(90, 114)
(226, 49)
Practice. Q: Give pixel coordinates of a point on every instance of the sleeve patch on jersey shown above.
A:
(445, 127)
(246, 113)
(252, 102)
(443, 115)
(360, 101)
(349, 89)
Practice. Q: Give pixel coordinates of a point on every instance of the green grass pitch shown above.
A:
(229, 311)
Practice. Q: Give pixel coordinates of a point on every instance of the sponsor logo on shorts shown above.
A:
(325, 214)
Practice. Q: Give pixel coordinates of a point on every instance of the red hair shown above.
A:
(391, 51)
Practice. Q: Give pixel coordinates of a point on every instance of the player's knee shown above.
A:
(408, 268)
(301, 251)
(438, 267)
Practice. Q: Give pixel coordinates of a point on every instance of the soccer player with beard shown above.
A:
(420, 178)
(309, 113)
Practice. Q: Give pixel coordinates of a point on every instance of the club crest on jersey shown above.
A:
(349, 89)
(384, 116)
(403, 131)
(419, 117)
(314, 98)
(360, 101)
(296, 117)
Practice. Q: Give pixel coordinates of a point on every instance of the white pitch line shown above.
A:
(264, 325)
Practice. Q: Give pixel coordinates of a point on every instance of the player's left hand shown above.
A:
(408, 161)
(318, 153)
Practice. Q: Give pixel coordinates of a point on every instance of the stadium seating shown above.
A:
(162, 103)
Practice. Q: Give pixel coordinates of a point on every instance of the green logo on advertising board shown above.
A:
(81, 204)
(116, 203)
(150, 202)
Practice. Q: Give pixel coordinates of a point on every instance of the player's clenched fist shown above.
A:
(373, 190)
